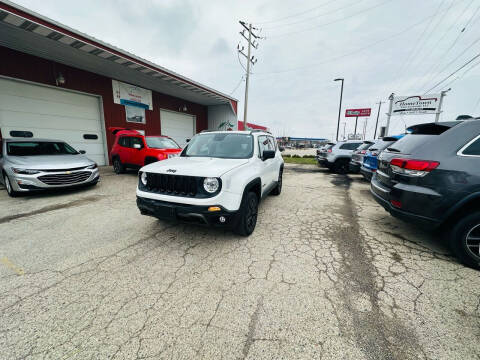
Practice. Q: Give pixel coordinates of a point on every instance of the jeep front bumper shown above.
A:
(196, 214)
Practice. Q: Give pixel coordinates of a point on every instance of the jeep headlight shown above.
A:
(143, 178)
(211, 185)
(93, 166)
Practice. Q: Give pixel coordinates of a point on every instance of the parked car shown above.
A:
(31, 164)
(370, 160)
(432, 177)
(357, 156)
(219, 180)
(323, 148)
(338, 156)
(131, 149)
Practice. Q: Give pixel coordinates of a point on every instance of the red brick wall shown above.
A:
(27, 67)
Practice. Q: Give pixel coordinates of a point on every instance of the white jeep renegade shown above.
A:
(218, 179)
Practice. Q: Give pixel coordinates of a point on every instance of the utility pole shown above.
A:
(340, 105)
(355, 132)
(344, 125)
(365, 128)
(378, 115)
(250, 60)
(439, 111)
(389, 114)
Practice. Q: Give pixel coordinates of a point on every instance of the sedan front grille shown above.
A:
(172, 184)
(65, 179)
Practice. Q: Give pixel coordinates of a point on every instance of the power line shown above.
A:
(416, 44)
(357, 50)
(440, 39)
(296, 14)
(313, 17)
(453, 73)
(431, 73)
(459, 56)
(332, 22)
(238, 85)
(416, 64)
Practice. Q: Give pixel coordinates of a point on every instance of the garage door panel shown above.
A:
(54, 108)
(53, 114)
(11, 118)
(20, 89)
(177, 125)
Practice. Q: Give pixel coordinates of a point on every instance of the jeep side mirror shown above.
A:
(82, 152)
(137, 146)
(268, 154)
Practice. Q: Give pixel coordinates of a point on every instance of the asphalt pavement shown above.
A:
(327, 274)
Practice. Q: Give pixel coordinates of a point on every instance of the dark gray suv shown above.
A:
(432, 177)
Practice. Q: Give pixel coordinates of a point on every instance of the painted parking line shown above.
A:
(5, 261)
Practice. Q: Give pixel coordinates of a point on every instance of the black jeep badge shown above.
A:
(171, 170)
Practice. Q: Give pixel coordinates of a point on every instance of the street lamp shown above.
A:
(340, 105)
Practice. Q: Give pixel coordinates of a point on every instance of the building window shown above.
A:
(135, 114)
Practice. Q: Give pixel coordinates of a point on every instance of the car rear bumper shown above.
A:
(382, 195)
(195, 214)
(366, 172)
(354, 167)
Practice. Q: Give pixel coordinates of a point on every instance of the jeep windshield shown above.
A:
(34, 148)
(220, 145)
(161, 143)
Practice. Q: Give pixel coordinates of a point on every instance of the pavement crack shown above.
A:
(251, 328)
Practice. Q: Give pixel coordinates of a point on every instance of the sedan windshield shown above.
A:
(221, 145)
(33, 148)
(161, 143)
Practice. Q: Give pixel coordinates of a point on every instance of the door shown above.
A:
(53, 113)
(178, 126)
(136, 156)
(268, 166)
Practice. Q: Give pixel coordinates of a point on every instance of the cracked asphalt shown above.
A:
(327, 274)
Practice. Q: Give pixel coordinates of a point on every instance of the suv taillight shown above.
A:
(363, 152)
(329, 150)
(413, 167)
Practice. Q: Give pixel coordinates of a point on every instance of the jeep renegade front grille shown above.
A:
(172, 184)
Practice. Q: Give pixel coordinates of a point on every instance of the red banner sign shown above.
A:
(358, 112)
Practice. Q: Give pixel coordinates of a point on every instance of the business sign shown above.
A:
(126, 94)
(358, 112)
(410, 105)
(354, 136)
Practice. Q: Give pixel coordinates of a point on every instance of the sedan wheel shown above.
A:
(8, 186)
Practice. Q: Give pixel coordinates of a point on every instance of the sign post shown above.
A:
(389, 114)
(439, 110)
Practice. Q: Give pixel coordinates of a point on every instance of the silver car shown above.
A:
(29, 164)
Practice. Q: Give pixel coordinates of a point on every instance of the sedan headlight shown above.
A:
(93, 166)
(143, 178)
(211, 185)
(25, 171)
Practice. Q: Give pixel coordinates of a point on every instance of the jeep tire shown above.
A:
(463, 240)
(118, 167)
(248, 215)
(341, 166)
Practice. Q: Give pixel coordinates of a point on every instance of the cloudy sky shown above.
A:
(378, 46)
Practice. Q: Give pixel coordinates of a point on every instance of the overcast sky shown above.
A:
(378, 46)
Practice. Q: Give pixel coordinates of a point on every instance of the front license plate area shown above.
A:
(165, 211)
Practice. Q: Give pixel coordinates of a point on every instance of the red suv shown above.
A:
(134, 150)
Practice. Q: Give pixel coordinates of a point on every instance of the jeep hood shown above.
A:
(194, 166)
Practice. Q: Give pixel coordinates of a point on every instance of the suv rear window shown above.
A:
(419, 135)
(365, 146)
(350, 146)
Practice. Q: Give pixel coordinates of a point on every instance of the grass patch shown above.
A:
(299, 160)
